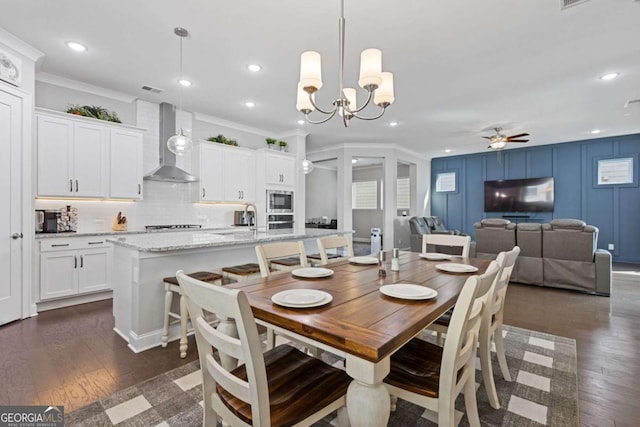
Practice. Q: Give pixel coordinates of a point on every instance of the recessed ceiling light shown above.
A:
(447, 150)
(596, 131)
(609, 76)
(184, 82)
(254, 67)
(393, 124)
(250, 104)
(300, 122)
(354, 161)
(78, 47)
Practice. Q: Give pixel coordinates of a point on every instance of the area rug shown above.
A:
(543, 392)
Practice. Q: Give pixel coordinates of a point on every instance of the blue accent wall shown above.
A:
(614, 209)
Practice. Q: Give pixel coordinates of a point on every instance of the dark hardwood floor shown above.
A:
(71, 356)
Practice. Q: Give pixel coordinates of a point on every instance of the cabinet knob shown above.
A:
(71, 185)
(203, 192)
(75, 262)
(16, 236)
(139, 189)
(76, 185)
(81, 261)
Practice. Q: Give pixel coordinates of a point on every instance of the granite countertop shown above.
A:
(140, 230)
(164, 242)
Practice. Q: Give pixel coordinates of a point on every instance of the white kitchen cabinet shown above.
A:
(125, 164)
(280, 169)
(71, 158)
(226, 174)
(239, 182)
(74, 266)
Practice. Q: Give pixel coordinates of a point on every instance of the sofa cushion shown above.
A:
(529, 239)
(570, 240)
(418, 225)
(494, 235)
(568, 223)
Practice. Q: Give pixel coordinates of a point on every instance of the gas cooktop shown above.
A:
(170, 227)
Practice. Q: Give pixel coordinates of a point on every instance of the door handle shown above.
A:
(75, 262)
(81, 261)
(76, 185)
(139, 189)
(16, 236)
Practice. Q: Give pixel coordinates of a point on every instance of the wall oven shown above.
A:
(278, 222)
(279, 202)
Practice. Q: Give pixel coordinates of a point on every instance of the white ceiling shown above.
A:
(461, 67)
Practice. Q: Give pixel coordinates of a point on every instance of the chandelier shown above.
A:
(378, 84)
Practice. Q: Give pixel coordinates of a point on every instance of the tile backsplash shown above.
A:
(164, 203)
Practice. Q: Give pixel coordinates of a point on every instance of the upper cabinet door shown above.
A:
(125, 164)
(239, 176)
(55, 157)
(280, 169)
(211, 173)
(89, 165)
(71, 158)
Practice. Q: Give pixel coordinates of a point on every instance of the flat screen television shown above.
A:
(519, 195)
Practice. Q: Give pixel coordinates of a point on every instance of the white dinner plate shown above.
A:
(302, 298)
(434, 256)
(312, 272)
(408, 291)
(363, 260)
(457, 268)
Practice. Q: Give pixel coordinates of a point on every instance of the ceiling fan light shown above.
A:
(383, 96)
(370, 69)
(310, 71)
(497, 145)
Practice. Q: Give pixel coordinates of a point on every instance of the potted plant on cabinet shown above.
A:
(283, 145)
(271, 143)
(221, 139)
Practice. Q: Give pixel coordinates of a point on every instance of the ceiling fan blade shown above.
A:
(487, 137)
(518, 140)
(518, 136)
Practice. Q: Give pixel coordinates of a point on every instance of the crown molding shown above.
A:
(293, 132)
(369, 146)
(19, 46)
(229, 124)
(55, 80)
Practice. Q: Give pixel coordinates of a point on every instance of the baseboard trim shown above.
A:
(67, 302)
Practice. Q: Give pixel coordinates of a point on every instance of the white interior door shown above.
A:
(10, 214)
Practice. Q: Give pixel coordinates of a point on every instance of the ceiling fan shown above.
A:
(499, 141)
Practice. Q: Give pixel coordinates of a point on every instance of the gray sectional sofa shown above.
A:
(560, 254)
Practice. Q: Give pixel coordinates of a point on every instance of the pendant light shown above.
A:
(180, 143)
(307, 166)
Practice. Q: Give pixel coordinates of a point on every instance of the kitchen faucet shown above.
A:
(255, 218)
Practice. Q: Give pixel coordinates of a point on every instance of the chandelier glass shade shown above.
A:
(378, 84)
(180, 143)
(307, 166)
(497, 145)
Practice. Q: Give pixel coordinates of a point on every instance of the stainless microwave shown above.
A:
(279, 201)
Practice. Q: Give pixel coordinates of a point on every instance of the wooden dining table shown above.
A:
(361, 324)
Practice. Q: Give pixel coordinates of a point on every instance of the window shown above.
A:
(615, 171)
(403, 194)
(364, 195)
(446, 182)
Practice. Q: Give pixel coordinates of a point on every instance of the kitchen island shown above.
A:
(141, 261)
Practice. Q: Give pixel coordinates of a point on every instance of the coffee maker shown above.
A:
(242, 218)
(47, 221)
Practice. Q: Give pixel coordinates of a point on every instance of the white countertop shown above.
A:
(202, 238)
(140, 230)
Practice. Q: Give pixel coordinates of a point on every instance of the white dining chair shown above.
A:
(463, 242)
(326, 244)
(298, 390)
(431, 376)
(280, 256)
(491, 327)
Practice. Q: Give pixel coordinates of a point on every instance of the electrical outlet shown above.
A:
(611, 246)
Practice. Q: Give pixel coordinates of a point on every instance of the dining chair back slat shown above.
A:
(333, 242)
(463, 242)
(271, 251)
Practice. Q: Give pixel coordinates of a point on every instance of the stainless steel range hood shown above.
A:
(168, 171)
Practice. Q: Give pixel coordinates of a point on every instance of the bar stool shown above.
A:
(243, 272)
(172, 286)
